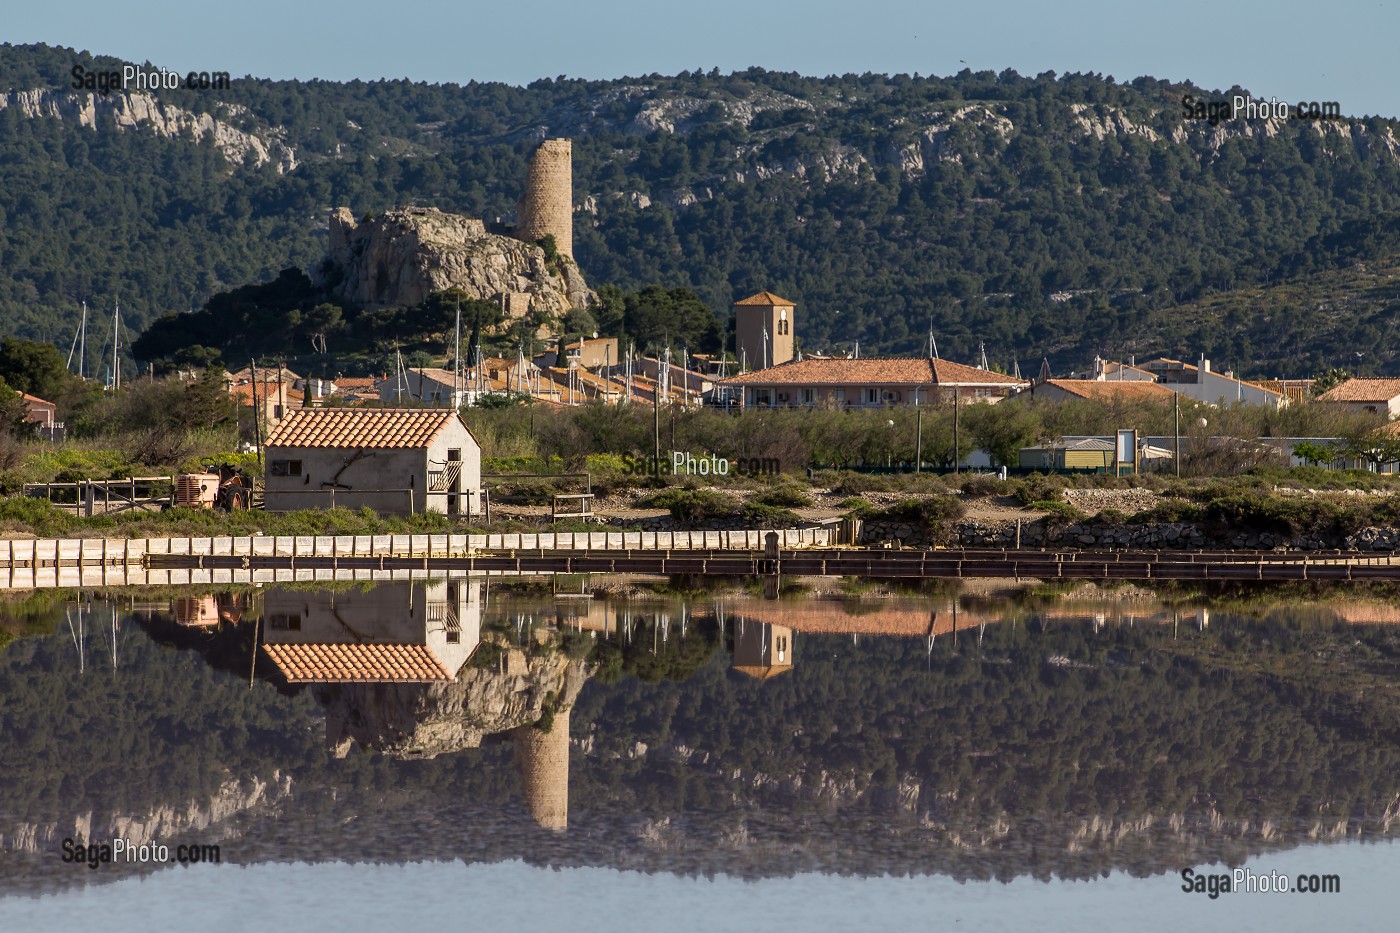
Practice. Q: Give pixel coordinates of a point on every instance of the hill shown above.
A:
(1048, 215)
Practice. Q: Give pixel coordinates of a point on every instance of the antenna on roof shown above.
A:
(1015, 368)
(982, 350)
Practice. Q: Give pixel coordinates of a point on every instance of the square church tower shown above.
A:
(764, 331)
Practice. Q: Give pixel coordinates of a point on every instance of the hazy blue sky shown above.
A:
(1340, 51)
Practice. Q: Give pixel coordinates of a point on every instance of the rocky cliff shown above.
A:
(131, 110)
(401, 257)
(426, 720)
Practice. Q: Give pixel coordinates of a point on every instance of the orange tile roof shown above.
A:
(760, 672)
(764, 300)
(357, 663)
(361, 427)
(1111, 389)
(1361, 389)
(873, 371)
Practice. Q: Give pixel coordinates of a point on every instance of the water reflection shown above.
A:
(993, 731)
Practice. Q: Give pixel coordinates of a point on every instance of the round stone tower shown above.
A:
(543, 760)
(547, 209)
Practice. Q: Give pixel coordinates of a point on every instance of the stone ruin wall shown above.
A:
(548, 205)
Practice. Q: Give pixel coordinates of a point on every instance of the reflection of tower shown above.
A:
(547, 209)
(762, 650)
(764, 330)
(543, 760)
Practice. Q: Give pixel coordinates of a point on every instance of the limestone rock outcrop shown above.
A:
(426, 720)
(399, 258)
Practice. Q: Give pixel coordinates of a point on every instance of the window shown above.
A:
(808, 396)
(284, 622)
(872, 396)
(454, 454)
(284, 468)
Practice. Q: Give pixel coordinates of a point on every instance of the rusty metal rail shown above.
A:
(874, 563)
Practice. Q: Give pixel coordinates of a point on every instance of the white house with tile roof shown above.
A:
(392, 460)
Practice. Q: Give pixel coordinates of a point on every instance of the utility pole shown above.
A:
(1176, 418)
(956, 454)
(918, 434)
(656, 427)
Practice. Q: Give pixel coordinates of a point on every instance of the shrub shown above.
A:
(982, 484)
(1059, 511)
(929, 513)
(769, 516)
(691, 506)
(1038, 488)
(786, 495)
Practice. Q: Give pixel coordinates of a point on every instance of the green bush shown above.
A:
(787, 495)
(982, 484)
(1039, 487)
(931, 513)
(691, 506)
(762, 515)
(1059, 511)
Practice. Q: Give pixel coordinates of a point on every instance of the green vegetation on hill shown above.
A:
(883, 205)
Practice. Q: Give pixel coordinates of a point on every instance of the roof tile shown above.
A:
(874, 371)
(357, 663)
(360, 427)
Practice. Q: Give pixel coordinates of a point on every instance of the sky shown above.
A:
(1292, 50)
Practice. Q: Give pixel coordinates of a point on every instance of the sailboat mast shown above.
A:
(116, 345)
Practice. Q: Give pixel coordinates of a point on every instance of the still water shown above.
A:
(631, 754)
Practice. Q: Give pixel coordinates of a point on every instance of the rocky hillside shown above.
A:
(1052, 215)
(399, 258)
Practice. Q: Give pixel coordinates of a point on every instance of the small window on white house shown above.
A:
(284, 468)
(872, 396)
(454, 454)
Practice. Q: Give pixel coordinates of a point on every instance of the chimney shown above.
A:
(1205, 364)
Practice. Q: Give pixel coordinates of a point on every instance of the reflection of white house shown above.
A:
(394, 633)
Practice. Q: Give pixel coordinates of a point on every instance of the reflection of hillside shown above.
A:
(390, 667)
(1041, 747)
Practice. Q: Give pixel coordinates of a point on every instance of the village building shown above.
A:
(1366, 396)
(869, 383)
(765, 331)
(1107, 391)
(1195, 381)
(394, 633)
(761, 650)
(391, 460)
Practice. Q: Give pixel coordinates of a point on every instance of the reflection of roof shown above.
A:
(1362, 390)
(875, 371)
(1110, 389)
(764, 300)
(360, 427)
(357, 663)
(763, 671)
(838, 617)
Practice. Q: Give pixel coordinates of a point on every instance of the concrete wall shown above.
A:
(391, 481)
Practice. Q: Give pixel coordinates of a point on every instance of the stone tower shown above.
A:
(764, 330)
(543, 760)
(548, 205)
